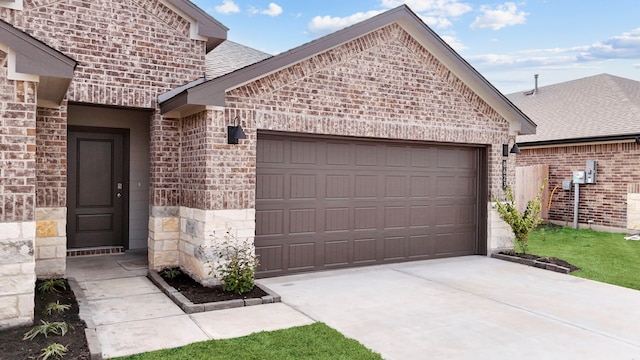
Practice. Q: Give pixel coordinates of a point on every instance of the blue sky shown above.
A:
(507, 42)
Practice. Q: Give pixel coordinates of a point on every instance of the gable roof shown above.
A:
(32, 60)
(595, 108)
(212, 92)
(230, 56)
(202, 24)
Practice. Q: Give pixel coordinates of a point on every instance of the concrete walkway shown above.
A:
(126, 314)
(470, 308)
(460, 308)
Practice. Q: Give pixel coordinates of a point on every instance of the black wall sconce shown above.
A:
(514, 150)
(235, 132)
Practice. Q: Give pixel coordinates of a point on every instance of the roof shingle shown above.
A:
(596, 106)
(231, 56)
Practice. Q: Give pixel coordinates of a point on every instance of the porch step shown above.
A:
(103, 250)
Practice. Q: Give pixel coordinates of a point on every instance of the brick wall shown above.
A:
(128, 53)
(17, 149)
(383, 85)
(605, 203)
(17, 199)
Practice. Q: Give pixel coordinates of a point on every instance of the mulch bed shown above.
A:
(198, 294)
(13, 347)
(542, 259)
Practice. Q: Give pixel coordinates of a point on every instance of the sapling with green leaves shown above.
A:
(522, 224)
(52, 285)
(54, 351)
(46, 328)
(236, 264)
(57, 307)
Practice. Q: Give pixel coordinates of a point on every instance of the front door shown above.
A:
(96, 187)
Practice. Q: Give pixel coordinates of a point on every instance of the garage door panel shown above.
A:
(394, 248)
(337, 253)
(337, 186)
(340, 203)
(366, 186)
(302, 256)
(303, 152)
(366, 155)
(302, 186)
(270, 186)
(337, 219)
(270, 151)
(302, 221)
(365, 218)
(269, 258)
(364, 251)
(270, 222)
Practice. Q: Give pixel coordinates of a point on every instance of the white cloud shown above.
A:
(454, 42)
(326, 24)
(227, 7)
(273, 10)
(443, 8)
(436, 22)
(501, 16)
(625, 46)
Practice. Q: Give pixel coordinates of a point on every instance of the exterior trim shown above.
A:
(206, 26)
(581, 141)
(213, 92)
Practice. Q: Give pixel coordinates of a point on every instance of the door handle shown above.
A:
(119, 195)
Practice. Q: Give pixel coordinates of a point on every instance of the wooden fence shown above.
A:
(528, 181)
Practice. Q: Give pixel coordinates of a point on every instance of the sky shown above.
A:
(507, 42)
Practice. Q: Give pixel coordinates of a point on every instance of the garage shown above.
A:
(335, 202)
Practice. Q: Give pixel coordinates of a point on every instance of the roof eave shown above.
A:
(208, 27)
(581, 141)
(212, 92)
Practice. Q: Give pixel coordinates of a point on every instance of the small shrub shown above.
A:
(52, 285)
(170, 273)
(521, 224)
(58, 328)
(57, 307)
(56, 350)
(237, 264)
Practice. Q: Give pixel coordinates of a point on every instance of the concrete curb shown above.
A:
(85, 314)
(531, 262)
(188, 307)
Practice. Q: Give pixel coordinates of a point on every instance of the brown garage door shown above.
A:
(324, 203)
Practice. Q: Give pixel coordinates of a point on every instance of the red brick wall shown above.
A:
(17, 149)
(383, 85)
(128, 53)
(51, 157)
(605, 203)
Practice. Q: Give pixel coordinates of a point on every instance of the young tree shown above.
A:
(522, 224)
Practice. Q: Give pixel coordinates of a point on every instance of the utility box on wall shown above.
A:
(578, 177)
(590, 172)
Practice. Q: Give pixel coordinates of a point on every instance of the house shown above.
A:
(375, 144)
(593, 118)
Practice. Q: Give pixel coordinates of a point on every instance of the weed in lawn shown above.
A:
(56, 350)
(57, 307)
(46, 328)
(52, 285)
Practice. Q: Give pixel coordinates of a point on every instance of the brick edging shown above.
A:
(531, 262)
(84, 312)
(188, 307)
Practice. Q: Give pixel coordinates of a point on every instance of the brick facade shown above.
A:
(382, 85)
(603, 204)
(17, 199)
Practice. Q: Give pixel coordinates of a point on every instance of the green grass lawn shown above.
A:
(605, 257)
(315, 341)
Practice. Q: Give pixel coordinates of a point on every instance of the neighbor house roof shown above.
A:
(596, 108)
(230, 56)
(30, 59)
(212, 92)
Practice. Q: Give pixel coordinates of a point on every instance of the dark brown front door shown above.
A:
(96, 188)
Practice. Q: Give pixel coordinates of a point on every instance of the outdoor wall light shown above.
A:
(235, 132)
(514, 150)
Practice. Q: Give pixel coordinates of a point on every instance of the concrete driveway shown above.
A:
(470, 308)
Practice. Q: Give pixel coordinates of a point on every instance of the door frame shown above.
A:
(125, 171)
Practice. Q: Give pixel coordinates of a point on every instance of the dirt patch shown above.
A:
(13, 347)
(198, 294)
(531, 259)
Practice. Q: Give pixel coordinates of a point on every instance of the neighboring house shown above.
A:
(594, 118)
(371, 145)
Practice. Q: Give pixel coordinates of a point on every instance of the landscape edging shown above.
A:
(188, 307)
(531, 262)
